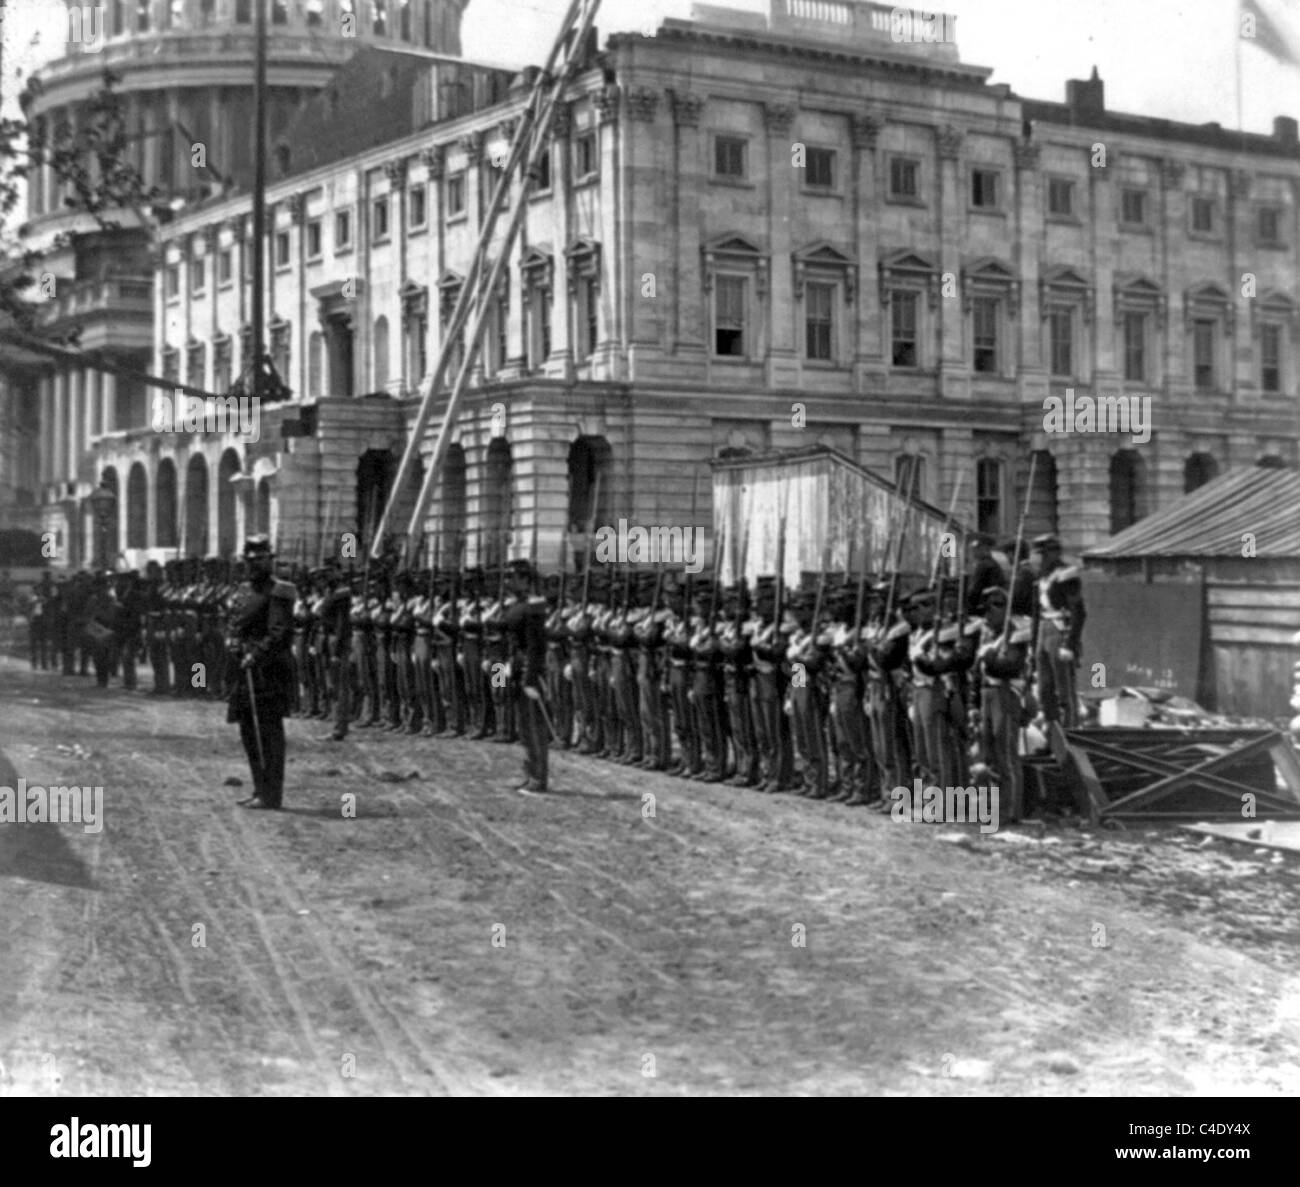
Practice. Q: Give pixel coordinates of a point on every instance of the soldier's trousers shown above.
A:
(559, 692)
(611, 741)
(476, 699)
(342, 691)
(39, 643)
(363, 656)
(708, 721)
(584, 698)
(534, 736)
(932, 732)
(451, 713)
(126, 653)
(810, 739)
(160, 662)
(1056, 691)
(268, 777)
(306, 698)
(743, 741)
(852, 740)
(654, 725)
(629, 711)
(404, 680)
(424, 715)
(772, 731)
(1000, 730)
(684, 723)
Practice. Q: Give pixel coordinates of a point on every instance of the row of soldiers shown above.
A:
(840, 688)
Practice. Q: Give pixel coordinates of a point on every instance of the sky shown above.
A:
(1174, 59)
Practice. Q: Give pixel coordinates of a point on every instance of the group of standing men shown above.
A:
(841, 688)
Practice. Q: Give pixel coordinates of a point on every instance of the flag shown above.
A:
(1276, 34)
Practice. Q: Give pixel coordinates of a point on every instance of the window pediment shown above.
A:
(537, 267)
(822, 257)
(1209, 300)
(1064, 283)
(734, 250)
(987, 276)
(908, 266)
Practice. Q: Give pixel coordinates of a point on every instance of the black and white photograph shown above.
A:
(566, 549)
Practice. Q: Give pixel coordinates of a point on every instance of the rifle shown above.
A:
(591, 531)
(899, 530)
(821, 588)
(862, 590)
(952, 511)
(717, 574)
(1020, 536)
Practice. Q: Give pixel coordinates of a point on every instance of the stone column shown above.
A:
(954, 366)
(691, 320)
(108, 395)
(561, 205)
(783, 365)
(866, 339)
(59, 452)
(45, 388)
(90, 388)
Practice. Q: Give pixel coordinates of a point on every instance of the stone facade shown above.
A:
(758, 238)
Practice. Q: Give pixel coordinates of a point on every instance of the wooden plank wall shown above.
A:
(1251, 627)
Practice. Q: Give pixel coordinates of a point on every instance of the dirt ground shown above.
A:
(459, 937)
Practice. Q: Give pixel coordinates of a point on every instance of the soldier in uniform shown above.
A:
(130, 622)
(1061, 615)
(334, 630)
(1000, 666)
(807, 655)
(736, 647)
(768, 690)
(559, 673)
(705, 661)
(524, 622)
(260, 677)
(156, 629)
(887, 675)
(38, 623)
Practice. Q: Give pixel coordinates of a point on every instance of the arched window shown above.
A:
(196, 506)
(498, 502)
(453, 513)
(227, 528)
(1043, 516)
(165, 512)
(588, 458)
(264, 507)
(375, 471)
(137, 507)
(1198, 469)
(1127, 489)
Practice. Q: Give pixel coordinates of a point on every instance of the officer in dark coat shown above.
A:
(260, 670)
(524, 623)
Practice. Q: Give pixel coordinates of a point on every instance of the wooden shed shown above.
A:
(831, 506)
(1204, 595)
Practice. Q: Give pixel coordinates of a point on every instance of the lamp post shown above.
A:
(103, 502)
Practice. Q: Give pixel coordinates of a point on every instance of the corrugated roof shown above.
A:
(1213, 519)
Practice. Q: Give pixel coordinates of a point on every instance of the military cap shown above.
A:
(993, 593)
(1047, 540)
(921, 597)
(258, 545)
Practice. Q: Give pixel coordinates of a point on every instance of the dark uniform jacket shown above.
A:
(261, 625)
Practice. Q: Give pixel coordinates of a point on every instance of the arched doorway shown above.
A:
(588, 458)
(1198, 469)
(165, 511)
(375, 472)
(227, 527)
(196, 506)
(107, 528)
(498, 502)
(264, 506)
(1127, 489)
(137, 507)
(454, 510)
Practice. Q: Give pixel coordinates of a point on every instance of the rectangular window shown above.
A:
(985, 315)
(418, 211)
(342, 230)
(502, 326)
(903, 310)
(379, 218)
(171, 365)
(585, 161)
(729, 315)
(543, 182)
(988, 496)
(729, 156)
(591, 314)
(540, 306)
(1061, 328)
(1270, 224)
(281, 248)
(1203, 354)
(1133, 208)
(1060, 197)
(904, 177)
(221, 366)
(313, 239)
(1203, 215)
(1135, 347)
(984, 189)
(455, 195)
(243, 12)
(820, 169)
(819, 304)
(1270, 357)
(173, 281)
(198, 274)
(225, 266)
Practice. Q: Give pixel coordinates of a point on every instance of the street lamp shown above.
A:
(103, 502)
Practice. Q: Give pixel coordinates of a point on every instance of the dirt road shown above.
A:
(454, 936)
